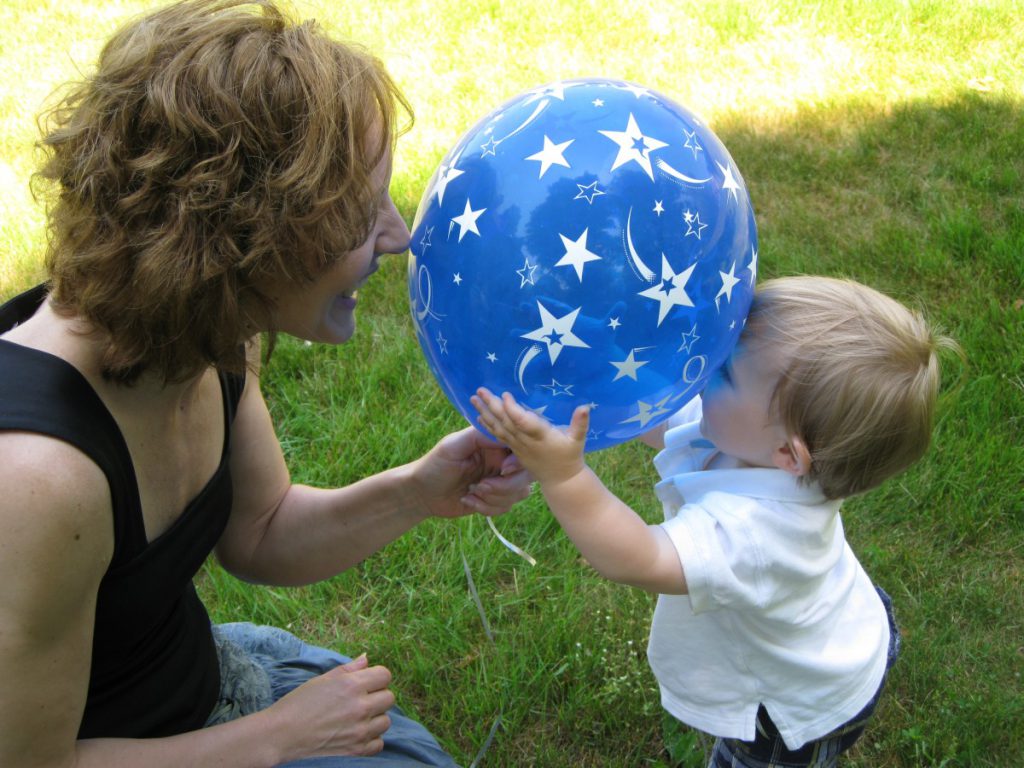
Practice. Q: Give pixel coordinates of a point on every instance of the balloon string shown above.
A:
(476, 597)
(523, 554)
(487, 742)
(487, 626)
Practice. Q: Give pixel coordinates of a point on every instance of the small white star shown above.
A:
(491, 357)
(692, 143)
(555, 90)
(467, 220)
(556, 332)
(598, 102)
(526, 273)
(647, 412)
(589, 192)
(576, 253)
(557, 388)
(689, 339)
(614, 323)
(425, 240)
(729, 182)
(551, 155)
(658, 207)
(636, 90)
(729, 281)
(457, 279)
(489, 147)
(444, 177)
(694, 226)
(442, 343)
(752, 265)
(628, 367)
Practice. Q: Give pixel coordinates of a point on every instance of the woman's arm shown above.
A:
(56, 541)
(292, 534)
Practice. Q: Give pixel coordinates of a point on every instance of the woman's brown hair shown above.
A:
(220, 151)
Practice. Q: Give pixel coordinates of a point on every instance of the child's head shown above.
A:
(859, 377)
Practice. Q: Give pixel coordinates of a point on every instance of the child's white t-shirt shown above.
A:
(779, 610)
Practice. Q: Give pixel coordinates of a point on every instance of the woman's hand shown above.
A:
(341, 712)
(467, 472)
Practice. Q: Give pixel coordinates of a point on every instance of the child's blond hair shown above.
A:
(860, 377)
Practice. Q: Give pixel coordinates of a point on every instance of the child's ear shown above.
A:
(793, 457)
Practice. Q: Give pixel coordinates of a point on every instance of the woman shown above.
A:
(223, 174)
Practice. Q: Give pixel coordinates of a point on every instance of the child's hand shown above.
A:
(548, 453)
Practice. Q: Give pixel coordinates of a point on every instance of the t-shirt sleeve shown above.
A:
(722, 561)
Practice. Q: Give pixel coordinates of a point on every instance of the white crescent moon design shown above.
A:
(536, 113)
(524, 360)
(644, 272)
(668, 170)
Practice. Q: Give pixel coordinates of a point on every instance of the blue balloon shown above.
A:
(590, 241)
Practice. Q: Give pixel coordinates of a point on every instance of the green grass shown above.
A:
(879, 140)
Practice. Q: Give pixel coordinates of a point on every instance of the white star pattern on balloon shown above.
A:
(555, 91)
(488, 147)
(556, 332)
(588, 192)
(628, 367)
(694, 226)
(752, 266)
(689, 339)
(467, 221)
(647, 412)
(729, 183)
(557, 388)
(729, 281)
(444, 177)
(428, 232)
(658, 207)
(636, 90)
(552, 154)
(576, 254)
(526, 273)
(457, 279)
(634, 146)
(692, 144)
(670, 291)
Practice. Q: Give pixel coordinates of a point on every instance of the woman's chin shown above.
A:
(339, 323)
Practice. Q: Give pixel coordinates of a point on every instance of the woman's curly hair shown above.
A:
(220, 152)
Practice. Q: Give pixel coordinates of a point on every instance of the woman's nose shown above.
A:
(394, 234)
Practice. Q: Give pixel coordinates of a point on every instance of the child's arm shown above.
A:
(611, 536)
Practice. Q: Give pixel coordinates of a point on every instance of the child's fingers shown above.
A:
(522, 418)
(580, 423)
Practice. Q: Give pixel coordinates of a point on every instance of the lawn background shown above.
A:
(879, 140)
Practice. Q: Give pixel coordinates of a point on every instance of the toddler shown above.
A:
(768, 634)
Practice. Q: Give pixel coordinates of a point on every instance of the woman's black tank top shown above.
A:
(154, 665)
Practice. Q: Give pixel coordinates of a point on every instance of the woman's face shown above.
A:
(325, 311)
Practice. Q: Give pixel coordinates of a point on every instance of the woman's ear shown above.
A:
(793, 457)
